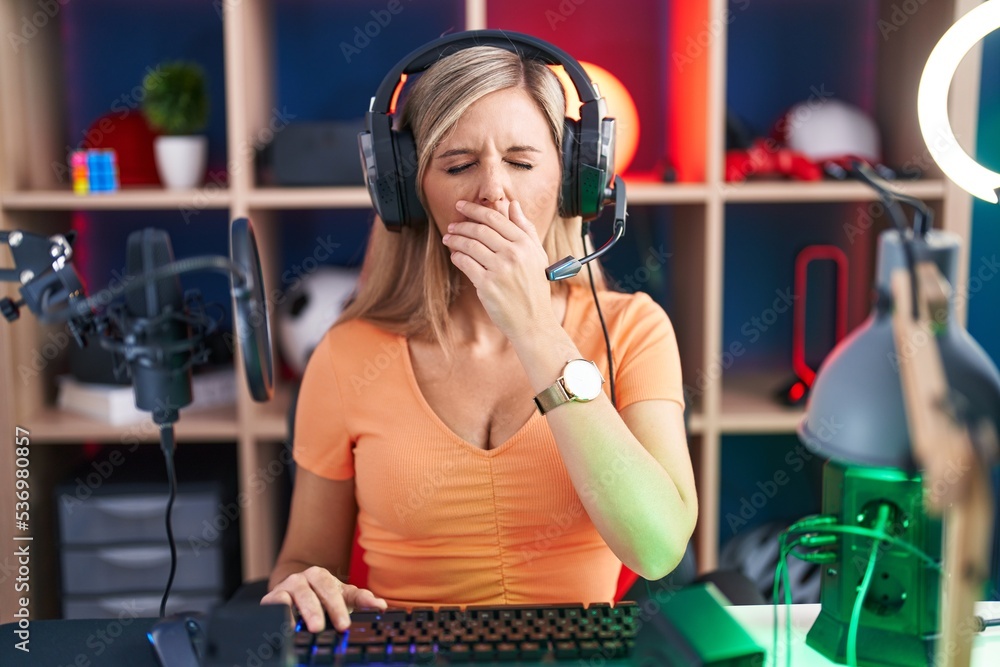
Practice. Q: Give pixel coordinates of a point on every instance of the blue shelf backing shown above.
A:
(104, 68)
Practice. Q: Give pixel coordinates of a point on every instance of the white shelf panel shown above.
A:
(645, 192)
(52, 426)
(696, 424)
(323, 197)
(822, 191)
(138, 198)
(749, 406)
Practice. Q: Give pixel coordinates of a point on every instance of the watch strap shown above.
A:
(551, 398)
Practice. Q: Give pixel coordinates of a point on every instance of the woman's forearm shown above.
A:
(637, 505)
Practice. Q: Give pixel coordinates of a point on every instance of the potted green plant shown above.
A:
(176, 105)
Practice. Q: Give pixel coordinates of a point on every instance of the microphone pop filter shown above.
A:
(252, 322)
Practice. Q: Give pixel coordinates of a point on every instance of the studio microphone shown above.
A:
(569, 266)
(155, 332)
(163, 336)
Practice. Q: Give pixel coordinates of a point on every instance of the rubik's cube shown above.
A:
(94, 170)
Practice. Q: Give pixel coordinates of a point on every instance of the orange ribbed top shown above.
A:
(443, 521)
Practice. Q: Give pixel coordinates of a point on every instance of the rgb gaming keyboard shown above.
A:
(530, 634)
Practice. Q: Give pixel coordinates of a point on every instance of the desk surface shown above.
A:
(758, 621)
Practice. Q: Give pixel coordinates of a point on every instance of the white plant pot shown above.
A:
(181, 161)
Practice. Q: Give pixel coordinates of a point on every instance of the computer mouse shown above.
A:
(178, 640)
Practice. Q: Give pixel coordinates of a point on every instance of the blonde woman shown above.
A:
(416, 420)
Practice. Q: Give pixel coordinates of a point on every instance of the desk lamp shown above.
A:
(857, 418)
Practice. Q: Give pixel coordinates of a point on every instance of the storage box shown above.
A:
(117, 569)
(138, 517)
(136, 606)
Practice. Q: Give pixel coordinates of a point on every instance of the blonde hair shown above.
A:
(407, 280)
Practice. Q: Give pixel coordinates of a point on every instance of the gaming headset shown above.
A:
(389, 156)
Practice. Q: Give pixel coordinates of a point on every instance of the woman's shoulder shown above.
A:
(617, 306)
(359, 337)
(630, 318)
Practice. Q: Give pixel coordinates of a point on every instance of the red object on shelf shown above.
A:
(812, 253)
(805, 375)
(797, 391)
(132, 138)
(765, 158)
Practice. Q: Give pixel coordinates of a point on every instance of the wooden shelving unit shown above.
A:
(32, 139)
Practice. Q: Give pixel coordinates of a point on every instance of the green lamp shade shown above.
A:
(856, 413)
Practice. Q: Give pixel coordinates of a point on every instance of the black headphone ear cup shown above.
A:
(569, 204)
(412, 212)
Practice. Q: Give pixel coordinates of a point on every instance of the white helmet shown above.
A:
(831, 129)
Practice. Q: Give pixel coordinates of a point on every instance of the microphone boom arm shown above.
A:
(570, 266)
(51, 287)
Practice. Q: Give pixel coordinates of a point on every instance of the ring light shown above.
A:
(932, 102)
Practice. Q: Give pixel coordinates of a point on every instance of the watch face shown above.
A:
(582, 380)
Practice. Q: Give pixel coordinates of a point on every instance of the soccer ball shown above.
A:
(308, 311)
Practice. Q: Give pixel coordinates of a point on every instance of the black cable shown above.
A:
(600, 315)
(891, 200)
(167, 445)
(924, 218)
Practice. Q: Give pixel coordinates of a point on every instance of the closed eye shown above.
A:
(462, 167)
